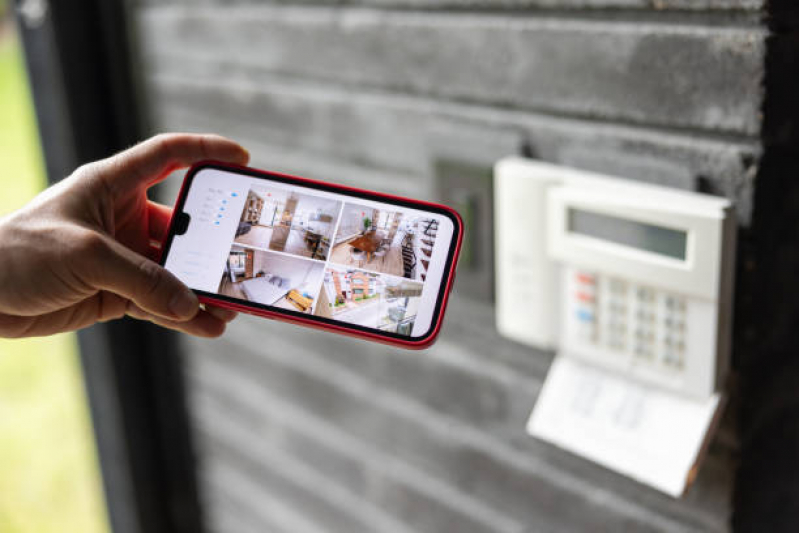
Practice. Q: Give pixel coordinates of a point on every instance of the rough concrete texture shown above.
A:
(299, 430)
(651, 5)
(430, 443)
(401, 134)
(668, 74)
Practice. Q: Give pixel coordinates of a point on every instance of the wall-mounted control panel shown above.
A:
(625, 278)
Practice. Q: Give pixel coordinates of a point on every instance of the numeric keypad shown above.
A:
(627, 319)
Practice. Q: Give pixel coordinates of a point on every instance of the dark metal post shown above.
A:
(79, 63)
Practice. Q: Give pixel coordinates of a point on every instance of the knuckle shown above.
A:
(110, 306)
(88, 245)
(163, 136)
(85, 170)
(165, 142)
(89, 173)
(152, 276)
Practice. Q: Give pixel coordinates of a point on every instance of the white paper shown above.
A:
(643, 432)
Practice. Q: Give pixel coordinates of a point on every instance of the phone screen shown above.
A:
(342, 258)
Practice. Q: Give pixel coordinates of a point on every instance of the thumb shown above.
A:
(150, 286)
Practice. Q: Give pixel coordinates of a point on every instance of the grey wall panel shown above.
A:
(398, 134)
(676, 75)
(364, 432)
(300, 430)
(657, 6)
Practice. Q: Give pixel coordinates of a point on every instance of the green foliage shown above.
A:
(367, 223)
(49, 481)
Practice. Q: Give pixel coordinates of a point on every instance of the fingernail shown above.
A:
(184, 304)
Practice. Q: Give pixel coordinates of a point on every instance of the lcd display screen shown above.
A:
(648, 237)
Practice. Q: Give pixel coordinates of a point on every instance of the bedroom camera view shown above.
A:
(284, 221)
(271, 279)
(384, 240)
(368, 299)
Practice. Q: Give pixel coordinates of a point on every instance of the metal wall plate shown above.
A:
(468, 188)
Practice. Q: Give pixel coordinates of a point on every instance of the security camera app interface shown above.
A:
(368, 264)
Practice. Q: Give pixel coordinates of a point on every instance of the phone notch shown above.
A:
(182, 221)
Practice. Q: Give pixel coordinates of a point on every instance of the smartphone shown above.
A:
(357, 262)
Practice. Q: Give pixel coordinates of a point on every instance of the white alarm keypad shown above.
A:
(638, 325)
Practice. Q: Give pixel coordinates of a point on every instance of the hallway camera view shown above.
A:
(387, 241)
(290, 222)
(271, 279)
(368, 299)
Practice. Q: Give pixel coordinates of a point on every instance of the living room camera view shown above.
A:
(271, 279)
(386, 241)
(290, 222)
(368, 299)
(282, 257)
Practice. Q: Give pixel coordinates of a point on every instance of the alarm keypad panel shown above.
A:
(632, 285)
(614, 321)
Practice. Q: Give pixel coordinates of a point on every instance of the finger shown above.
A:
(108, 265)
(100, 307)
(221, 313)
(17, 327)
(68, 319)
(158, 216)
(152, 160)
(203, 324)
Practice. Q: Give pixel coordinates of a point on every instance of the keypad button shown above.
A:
(673, 359)
(617, 286)
(645, 294)
(643, 352)
(584, 296)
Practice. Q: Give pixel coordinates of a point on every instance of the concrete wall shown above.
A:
(305, 431)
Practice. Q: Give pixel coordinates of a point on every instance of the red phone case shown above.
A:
(339, 328)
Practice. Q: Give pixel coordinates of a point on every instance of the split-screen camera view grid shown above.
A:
(333, 259)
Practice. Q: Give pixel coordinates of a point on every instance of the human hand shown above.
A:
(81, 252)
